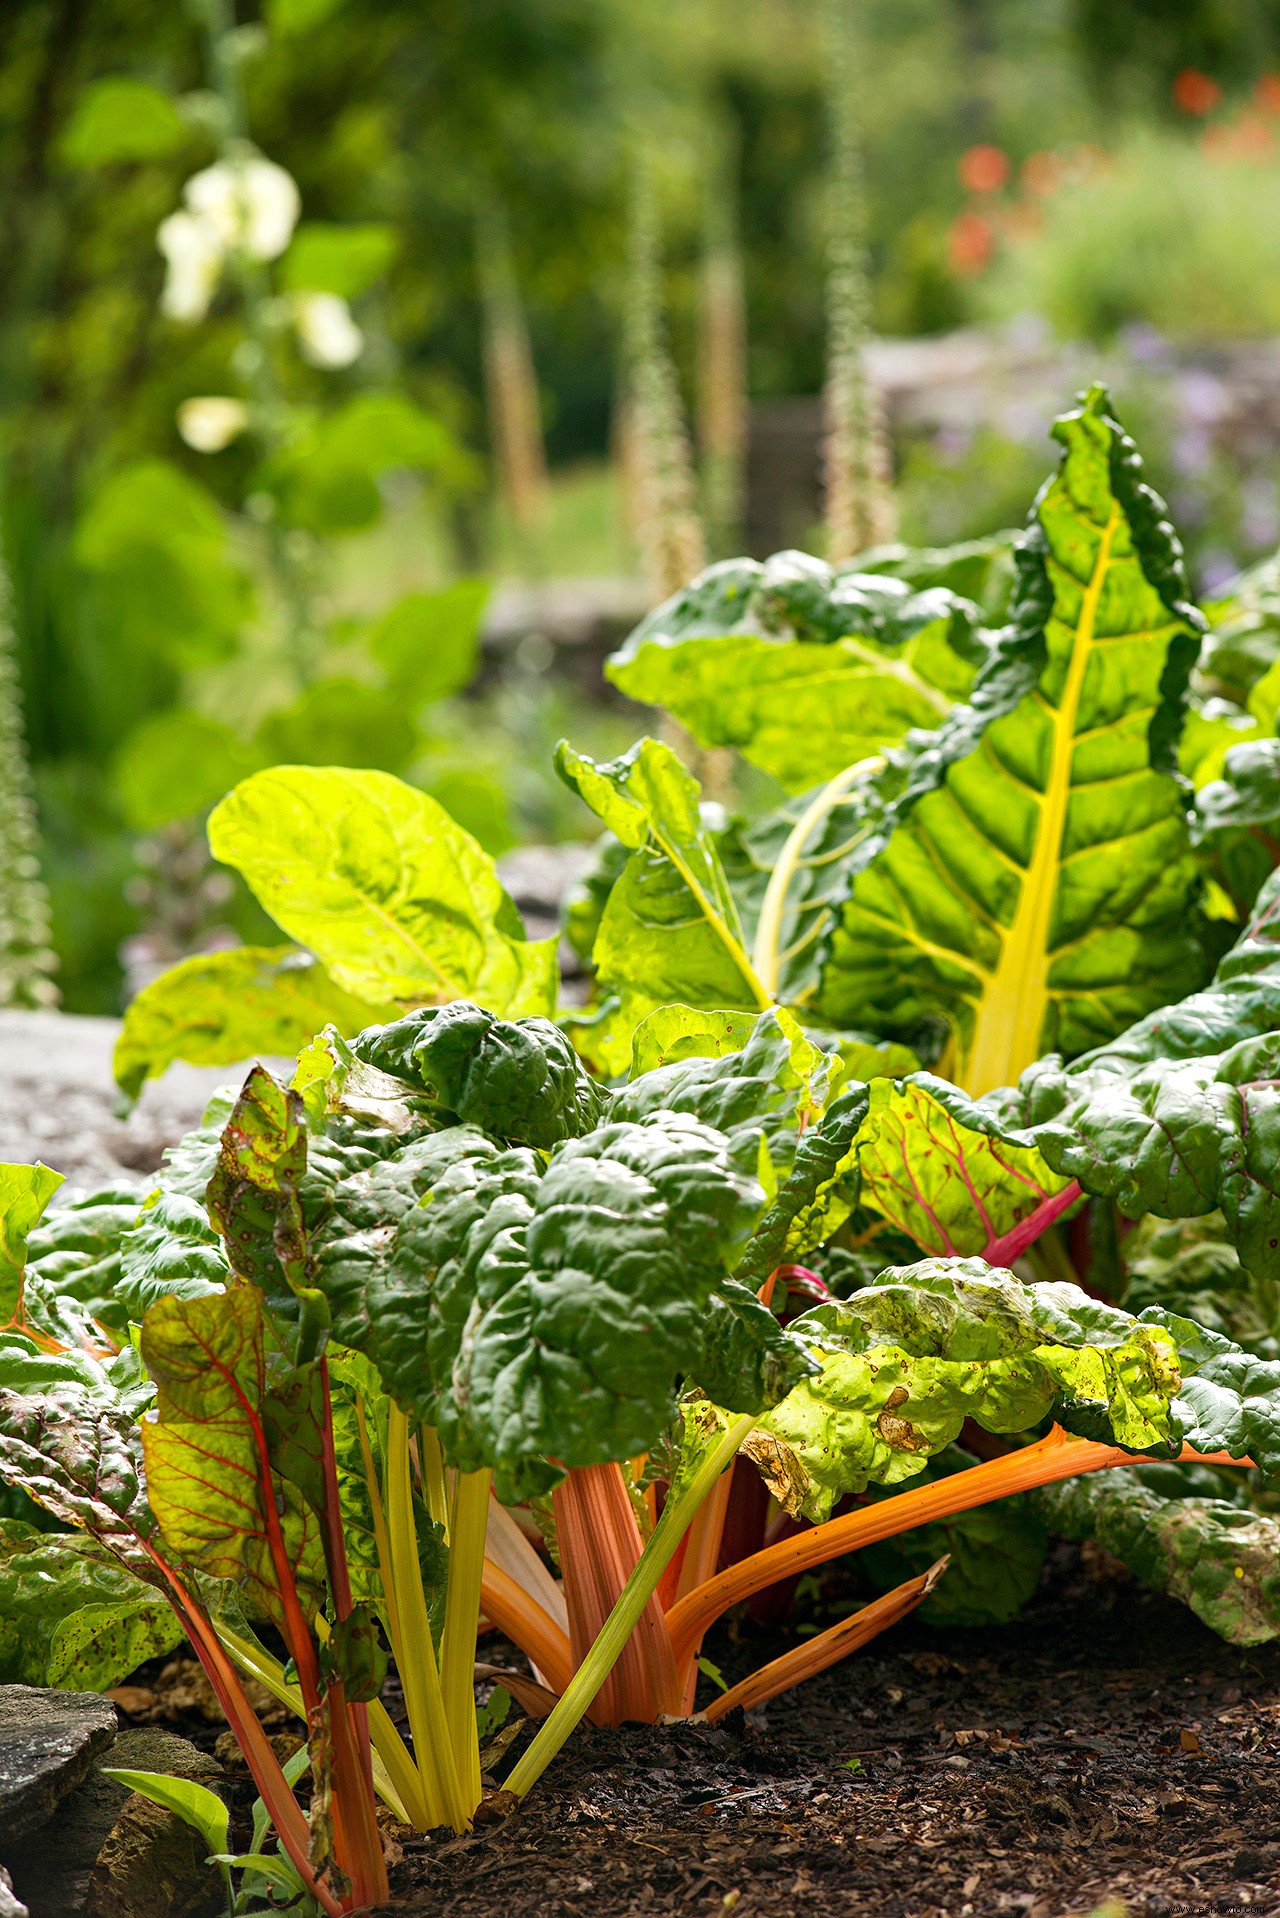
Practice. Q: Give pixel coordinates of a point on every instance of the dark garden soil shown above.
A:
(1104, 1746)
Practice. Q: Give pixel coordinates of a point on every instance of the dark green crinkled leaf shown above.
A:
(1221, 1560)
(745, 1361)
(73, 1264)
(825, 1164)
(590, 1312)
(581, 1291)
(1033, 884)
(1243, 640)
(377, 1250)
(172, 1250)
(1191, 1267)
(518, 1080)
(1229, 1401)
(905, 1362)
(1177, 1136)
(71, 1616)
(1248, 794)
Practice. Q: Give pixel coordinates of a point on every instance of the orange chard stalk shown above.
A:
(1055, 1456)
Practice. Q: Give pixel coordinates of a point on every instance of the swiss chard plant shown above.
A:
(929, 1118)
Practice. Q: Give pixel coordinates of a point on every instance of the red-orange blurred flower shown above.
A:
(1266, 94)
(1042, 174)
(970, 244)
(1194, 92)
(983, 169)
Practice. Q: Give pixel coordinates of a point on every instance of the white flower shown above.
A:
(251, 204)
(194, 256)
(327, 333)
(210, 423)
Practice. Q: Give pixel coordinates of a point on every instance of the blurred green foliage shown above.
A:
(308, 590)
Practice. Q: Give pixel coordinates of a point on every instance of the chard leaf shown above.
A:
(1221, 1561)
(905, 1362)
(73, 1266)
(517, 1080)
(669, 930)
(526, 1312)
(1179, 1137)
(1033, 886)
(25, 1191)
(590, 1311)
(377, 1252)
(951, 1175)
(171, 1251)
(672, 1034)
(1191, 1267)
(1248, 792)
(823, 835)
(70, 1615)
(821, 1186)
(1229, 1401)
(253, 1195)
(210, 1481)
(1243, 641)
(749, 1075)
(802, 668)
(745, 1361)
(71, 1441)
(392, 896)
(221, 1007)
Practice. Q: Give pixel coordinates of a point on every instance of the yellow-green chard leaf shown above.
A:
(1034, 886)
(905, 1362)
(221, 1007)
(803, 668)
(391, 895)
(25, 1191)
(670, 929)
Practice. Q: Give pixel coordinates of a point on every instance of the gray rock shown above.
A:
(58, 1098)
(53, 1878)
(48, 1741)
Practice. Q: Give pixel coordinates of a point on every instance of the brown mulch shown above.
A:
(1103, 1747)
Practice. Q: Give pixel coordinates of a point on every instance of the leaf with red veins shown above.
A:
(952, 1176)
(217, 1499)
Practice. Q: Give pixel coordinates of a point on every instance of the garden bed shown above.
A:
(1105, 1744)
